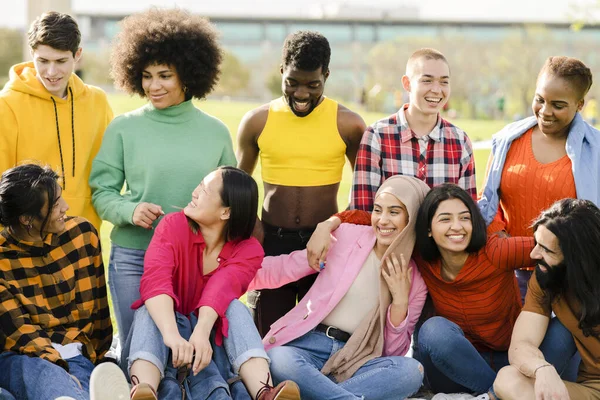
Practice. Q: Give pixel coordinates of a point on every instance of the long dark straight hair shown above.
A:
(576, 224)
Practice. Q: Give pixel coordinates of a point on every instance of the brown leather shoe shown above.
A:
(142, 391)
(286, 390)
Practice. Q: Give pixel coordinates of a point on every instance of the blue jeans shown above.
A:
(5, 395)
(523, 279)
(33, 378)
(125, 270)
(381, 378)
(452, 364)
(219, 379)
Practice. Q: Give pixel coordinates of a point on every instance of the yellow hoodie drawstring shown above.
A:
(62, 164)
(73, 128)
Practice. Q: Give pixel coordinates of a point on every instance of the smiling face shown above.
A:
(303, 90)
(550, 269)
(162, 86)
(389, 218)
(428, 83)
(54, 68)
(555, 104)
(56, 220)
(451, 226)
(206, 207)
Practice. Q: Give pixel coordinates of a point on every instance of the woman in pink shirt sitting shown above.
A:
(347, 337)
(200, 260)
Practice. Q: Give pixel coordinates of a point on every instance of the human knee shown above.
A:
(437, 332)
(236, 307)
(412, 372)
(283, 362)
(508, 383)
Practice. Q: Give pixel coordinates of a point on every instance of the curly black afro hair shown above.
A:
(174, 37)
(306, 50)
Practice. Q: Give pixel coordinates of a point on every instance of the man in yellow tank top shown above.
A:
(301, 138)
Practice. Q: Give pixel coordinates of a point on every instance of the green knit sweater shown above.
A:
(161, 155)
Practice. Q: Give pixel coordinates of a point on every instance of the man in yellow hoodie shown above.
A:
(48, 115)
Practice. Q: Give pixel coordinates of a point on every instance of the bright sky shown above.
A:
(13, 11)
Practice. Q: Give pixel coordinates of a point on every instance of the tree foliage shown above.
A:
(11, 51)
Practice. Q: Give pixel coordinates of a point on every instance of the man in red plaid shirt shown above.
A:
(416, 140)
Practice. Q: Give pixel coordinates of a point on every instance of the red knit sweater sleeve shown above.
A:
(357, 217)
(510, 252)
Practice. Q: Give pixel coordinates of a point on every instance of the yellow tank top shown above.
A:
(302, 151)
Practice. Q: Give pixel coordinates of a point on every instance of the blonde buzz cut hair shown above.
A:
(426, 53)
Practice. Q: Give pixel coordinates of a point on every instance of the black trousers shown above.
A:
(268, 305)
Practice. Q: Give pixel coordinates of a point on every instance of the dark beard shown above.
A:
(554, 280)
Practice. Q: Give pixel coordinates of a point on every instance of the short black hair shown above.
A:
(23, 192)
(174, 37)
(240, 194)
(426, 246)
(570, 69)
(307, 51)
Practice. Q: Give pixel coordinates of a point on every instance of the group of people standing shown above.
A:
(334, 300)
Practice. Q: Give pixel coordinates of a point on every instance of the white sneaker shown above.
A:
(108, 383)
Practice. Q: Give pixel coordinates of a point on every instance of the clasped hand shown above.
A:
(195, 353)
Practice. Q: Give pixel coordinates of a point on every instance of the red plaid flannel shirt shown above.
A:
(389, 147)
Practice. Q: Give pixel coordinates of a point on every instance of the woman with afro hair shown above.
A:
(162, 150)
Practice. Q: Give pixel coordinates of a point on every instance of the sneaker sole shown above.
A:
(291, 391)
(108, 382)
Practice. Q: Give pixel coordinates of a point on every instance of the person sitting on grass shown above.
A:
(566, 282)
(348, 336)
(54, 315)
(200, 260)
(475, 296)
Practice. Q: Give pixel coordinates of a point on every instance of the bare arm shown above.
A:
(528, 334)
(351, 128)
(161, 309)
(525, 355)
(200, 338)
(247, 137)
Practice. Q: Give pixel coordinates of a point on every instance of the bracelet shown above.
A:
(541, 366)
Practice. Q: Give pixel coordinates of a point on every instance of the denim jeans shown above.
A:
(381, 378)
(125, 270)
(5, 395)
(452, 364)
(33, 378)
(213, 382)
(523, 280)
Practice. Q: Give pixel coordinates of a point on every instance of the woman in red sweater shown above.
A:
(199, 262)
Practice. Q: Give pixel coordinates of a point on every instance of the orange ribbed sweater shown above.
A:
(528, 187)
